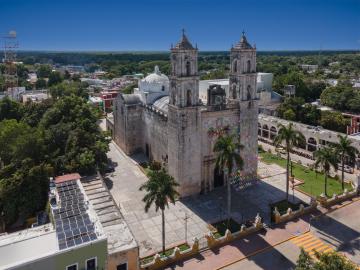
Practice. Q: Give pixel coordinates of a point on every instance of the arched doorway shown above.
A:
(312, 144)
(273, 132)
(218, 178)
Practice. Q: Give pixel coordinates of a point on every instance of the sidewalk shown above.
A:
(244, 247)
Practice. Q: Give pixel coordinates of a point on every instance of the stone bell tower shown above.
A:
(242, 89)
(184, 159)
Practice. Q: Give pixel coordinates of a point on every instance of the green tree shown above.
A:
(310, 115)
(10, 109)
(332, 261)
(43, 71)
(334, 121)
(288, 137)
(345, 150)
(305, 262)
(160, 190)
(73, 139)
(228, 157)
(40, 83)
(55, 78)
(23, 189)
(68, 88)
(289, 115)
(326, 158)
(324, 261)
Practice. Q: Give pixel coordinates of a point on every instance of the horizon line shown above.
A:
(168, 51)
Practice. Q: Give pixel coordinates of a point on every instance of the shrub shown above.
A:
(155, 165)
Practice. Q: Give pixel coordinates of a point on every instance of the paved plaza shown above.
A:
(200, 210)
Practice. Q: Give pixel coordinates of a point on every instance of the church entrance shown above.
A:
(218, 178)
(147, 151)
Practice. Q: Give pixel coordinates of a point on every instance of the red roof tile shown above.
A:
(67, 177)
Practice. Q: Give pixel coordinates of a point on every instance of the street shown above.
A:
(338, 230)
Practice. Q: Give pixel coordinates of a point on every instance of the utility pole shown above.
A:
(185, 219)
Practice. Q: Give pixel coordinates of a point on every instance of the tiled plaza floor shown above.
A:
(124, 186)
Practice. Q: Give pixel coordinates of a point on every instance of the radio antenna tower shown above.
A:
(10, 49)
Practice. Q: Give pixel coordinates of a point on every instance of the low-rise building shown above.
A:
(315, 137)
(75, 240)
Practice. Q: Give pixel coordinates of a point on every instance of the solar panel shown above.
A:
(72, 222)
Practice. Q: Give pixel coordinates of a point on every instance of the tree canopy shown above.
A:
(39, 140)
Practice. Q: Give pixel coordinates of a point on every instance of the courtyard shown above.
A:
(193, 213)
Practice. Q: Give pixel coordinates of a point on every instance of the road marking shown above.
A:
(311, 243)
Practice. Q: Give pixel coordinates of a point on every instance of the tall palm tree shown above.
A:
(326, 157)
(345, 149)
(160, 189)
(228, 156)
(288, 137)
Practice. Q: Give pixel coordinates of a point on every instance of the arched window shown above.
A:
(248, 96)
(188, 98)
(248, 66)
(163, 88)
(188, 68)
(235, 66)
(265, 132)
(173, 98)
(234, 94)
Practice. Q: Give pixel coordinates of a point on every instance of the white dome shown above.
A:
(157, 77)
(154, 86)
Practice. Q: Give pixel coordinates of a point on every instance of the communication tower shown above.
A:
(10, 74)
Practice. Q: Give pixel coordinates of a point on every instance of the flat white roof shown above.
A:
(27, 245)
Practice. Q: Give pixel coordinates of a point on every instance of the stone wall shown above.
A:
(184, 150)
(327, 202)
(155, 135)
(213, 119)
(127, 126)
(290, 214)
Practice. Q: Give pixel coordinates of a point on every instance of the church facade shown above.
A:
(166, 120)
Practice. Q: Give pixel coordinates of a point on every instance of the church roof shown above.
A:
(184, 43)
(161, 104)
(243, 43)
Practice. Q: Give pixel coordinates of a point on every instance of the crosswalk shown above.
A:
(310, 243)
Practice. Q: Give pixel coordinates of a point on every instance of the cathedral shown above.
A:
(167, 120)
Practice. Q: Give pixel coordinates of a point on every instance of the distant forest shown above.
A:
(83, 58)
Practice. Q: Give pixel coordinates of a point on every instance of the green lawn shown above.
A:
(313, 182)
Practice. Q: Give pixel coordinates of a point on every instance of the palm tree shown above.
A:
(160, 189)
(326, 157)
(343, 149)
(288, 137)
(228, 156)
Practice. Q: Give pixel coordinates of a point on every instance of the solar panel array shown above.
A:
(72, 222)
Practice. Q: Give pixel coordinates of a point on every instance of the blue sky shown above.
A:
(151, 25)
